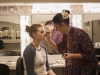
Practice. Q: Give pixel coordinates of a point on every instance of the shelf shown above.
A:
(97, 47)
(18, 51)
(11, 41)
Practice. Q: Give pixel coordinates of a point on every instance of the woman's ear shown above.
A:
(33, 34)
(62, 24)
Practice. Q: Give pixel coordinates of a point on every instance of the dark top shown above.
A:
(79, 42)
(29, 57)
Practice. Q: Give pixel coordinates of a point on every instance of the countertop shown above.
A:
(54, 61)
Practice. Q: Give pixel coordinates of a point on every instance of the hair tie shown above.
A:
(65, 14)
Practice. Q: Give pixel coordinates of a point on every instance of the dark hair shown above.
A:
(32, 28)
(67, 11)
(58, 18)
(48, 23)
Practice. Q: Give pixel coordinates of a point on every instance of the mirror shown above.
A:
(10, 33)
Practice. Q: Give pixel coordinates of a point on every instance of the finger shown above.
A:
(65, 58)
(65, 54)
(47, 33)
(47, 28)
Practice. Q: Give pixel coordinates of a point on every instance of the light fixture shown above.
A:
(11, 10)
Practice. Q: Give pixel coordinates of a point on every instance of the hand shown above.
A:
(47, 36)
(67, 56)
(50, 72)
(39, 74)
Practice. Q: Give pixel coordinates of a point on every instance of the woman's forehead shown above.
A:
(40, 28)
(55, 24)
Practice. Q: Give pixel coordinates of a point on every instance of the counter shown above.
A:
(18, 51)
(54, 60)
(58, 68)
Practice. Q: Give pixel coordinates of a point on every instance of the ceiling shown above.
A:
(50, 1)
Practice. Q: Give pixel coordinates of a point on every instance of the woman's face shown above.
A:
(40, 34)
(49, 28)
(59, 28)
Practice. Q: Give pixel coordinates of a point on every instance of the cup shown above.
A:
(96, 44)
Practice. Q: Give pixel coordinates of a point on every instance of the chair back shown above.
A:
(4, 69)
(1, 44)
(19, 66)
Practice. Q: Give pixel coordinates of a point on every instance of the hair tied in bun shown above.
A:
(27, 28)
(65, 14)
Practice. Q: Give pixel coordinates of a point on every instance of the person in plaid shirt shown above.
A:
(56, 36)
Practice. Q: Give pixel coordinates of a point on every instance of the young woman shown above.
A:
(35, 57)
(76, 46)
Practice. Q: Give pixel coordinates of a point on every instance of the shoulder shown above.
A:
(29, 48)
(44, 47)
(82, 34)
(80, 31)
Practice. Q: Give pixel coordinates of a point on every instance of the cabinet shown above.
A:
(10, 29)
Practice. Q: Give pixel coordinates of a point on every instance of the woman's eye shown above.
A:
(42, 31)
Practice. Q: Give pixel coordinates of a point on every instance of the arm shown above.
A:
(78, 55)
(29, 56)
(71, 55)
(52, 44)
(87, 47)
(57, 47)
(47, 64)
(49, 70)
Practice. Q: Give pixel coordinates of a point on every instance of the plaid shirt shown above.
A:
(56, 38)
(79, 42)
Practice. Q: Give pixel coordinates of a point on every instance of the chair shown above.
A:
(8, 53)
(4, 69)
(19, 66)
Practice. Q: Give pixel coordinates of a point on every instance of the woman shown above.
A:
(76, 47)
(35, 57)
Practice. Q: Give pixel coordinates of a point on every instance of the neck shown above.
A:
(67, 30)
(36, 43)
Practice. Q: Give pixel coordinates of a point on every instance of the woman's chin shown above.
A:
(43, 38)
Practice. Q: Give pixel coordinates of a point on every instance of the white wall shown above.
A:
(91, 17)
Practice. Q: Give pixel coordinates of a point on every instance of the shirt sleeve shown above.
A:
(86, 45)
(29, 56)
